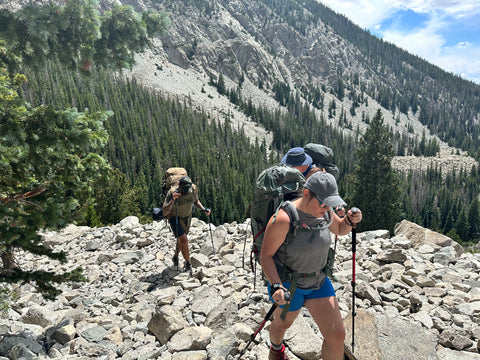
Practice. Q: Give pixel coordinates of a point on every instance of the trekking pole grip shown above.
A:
(354, 210)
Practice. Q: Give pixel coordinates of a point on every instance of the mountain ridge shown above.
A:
(170, 52)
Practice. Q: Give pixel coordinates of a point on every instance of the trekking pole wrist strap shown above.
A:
(275, 287)
(348, 221)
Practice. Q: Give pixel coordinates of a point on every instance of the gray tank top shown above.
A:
(307, 251)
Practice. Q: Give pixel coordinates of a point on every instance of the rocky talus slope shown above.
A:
(418, 297)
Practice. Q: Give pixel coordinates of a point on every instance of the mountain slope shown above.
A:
(255, 45)
(312, 54)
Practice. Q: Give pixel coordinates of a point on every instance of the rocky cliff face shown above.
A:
(417, 297)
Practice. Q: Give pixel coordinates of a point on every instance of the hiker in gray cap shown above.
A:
(294, 263)
(297, 157)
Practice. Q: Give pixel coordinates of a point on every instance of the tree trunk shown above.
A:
(8, 259)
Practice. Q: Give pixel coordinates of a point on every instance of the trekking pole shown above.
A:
(286, 296)
(176, 230)
(339, 208)
(211, 236)
(354, 249)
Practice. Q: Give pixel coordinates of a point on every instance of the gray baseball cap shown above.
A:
(323, 184)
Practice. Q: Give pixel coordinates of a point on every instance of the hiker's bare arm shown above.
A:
(199, 205)
(342, 226)
(274, 237)
(169, 202)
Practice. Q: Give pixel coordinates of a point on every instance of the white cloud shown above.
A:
(429, 39)
(463, 44)
(364, 13)
(464, 61)
(457, 8)
(424, 42)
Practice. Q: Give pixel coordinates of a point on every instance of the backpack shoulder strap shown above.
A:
(292, 213)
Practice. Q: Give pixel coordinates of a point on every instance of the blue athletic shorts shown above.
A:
(301, 295)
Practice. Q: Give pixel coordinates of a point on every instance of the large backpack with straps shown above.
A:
(171, 179)
(278, 184)
(323, 157)
(273, 186)
(295, 226)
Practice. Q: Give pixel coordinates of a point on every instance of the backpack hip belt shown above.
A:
(292, 277)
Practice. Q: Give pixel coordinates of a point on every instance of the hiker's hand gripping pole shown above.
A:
(286, 296)
(354, 210)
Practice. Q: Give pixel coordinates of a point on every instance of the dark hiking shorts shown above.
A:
(181, 226)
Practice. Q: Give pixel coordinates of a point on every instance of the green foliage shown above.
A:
(115, 198)
(7, 297)
(376, 186)
(148, 134)
(443, 201)
(77, 35)
(474, 219)
(46, 157)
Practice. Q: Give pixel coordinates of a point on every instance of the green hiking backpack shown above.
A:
(323, 157)
(273, 187)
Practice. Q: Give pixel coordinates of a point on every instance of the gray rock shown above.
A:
(136, 306)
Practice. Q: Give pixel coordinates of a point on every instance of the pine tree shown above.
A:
(46, 158)
(49, 157)
(76, 35)
(376, 185)
(474, 220)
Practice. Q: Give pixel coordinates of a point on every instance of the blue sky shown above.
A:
(443, 32)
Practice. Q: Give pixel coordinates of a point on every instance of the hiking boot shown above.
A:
(175, 261)
(188, 266)
(278, 354)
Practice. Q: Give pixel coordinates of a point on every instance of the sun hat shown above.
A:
(296, 157)
(323, 184)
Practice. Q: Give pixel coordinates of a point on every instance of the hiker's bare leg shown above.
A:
(278, 327)
(326, 313)
(183, 246)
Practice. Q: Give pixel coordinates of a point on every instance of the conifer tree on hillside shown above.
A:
(49, 157)
(46, 158)
(474, 220)
(376, 185)
(77, 35)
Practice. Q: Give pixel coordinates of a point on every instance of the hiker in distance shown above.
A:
(297, 157)
(178, 207)
(297, 266)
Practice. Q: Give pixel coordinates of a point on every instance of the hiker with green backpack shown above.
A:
(178, 208)
(293, 256)
(299, 159)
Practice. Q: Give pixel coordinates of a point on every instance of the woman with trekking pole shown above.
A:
(293, 263)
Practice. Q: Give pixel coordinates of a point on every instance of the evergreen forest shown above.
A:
(149, 133)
